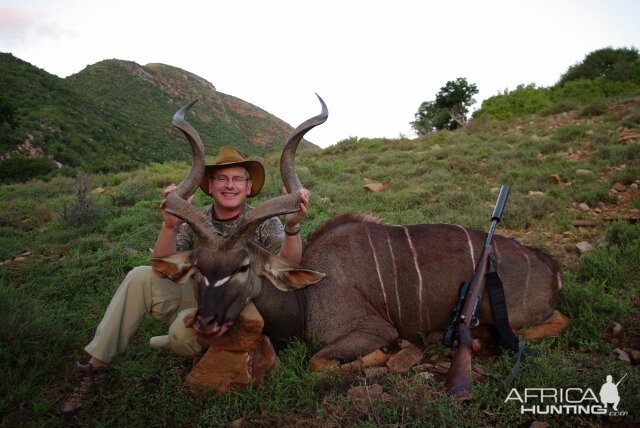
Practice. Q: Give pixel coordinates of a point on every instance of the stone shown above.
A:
(426, 375)
(584, 247)
(240, 356)
(584, 207)
(614, 329)
(374, 187)
(365, 391)
(536, 193)
(584, 172)
(619, 354)
(538, 424)
(405, 359)
(619, 187)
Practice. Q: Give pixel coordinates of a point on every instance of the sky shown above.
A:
(373, 62)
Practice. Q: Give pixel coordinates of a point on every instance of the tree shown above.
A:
(449, 110)
(611, 64)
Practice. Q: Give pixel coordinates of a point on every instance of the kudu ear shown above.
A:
(284, 274)
(178, 267)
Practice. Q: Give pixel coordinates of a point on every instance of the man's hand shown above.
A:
(170, 221)
(292, 220)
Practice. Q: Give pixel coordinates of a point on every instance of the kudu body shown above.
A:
(372, 282)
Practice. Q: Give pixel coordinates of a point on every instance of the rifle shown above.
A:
(465, 314)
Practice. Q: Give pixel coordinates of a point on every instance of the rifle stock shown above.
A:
(458, 380)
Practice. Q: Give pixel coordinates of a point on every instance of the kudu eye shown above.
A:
(243, 268)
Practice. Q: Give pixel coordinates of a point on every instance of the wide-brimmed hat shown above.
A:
(229, 156)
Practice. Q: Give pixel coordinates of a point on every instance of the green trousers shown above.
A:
(143, 293)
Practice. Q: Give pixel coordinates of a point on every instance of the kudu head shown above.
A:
(229, 270)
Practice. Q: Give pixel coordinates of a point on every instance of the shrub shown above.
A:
(522, 100)
(597, 108)
(84, 209)
(128, 194)
(21, 169)
(561, 106)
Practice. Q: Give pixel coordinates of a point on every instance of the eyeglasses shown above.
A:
(223, 179)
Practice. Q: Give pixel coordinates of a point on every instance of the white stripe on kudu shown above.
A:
(420, 283)
(471, 252)
(395, 279)
(375, 259)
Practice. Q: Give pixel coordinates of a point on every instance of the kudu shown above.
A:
(379, 282)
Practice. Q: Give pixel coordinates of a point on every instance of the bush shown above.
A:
(84, 209)
(21, 169)
(128, 194)
(525, 99)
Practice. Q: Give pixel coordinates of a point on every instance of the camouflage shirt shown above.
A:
(269, 235)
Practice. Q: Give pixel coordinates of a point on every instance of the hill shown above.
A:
(115, 115)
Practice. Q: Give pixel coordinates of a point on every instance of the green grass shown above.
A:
(52, 302)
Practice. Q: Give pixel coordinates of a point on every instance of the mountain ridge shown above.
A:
(116, 115)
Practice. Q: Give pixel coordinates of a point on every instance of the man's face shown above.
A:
(230, 187)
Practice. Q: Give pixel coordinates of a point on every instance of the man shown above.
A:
(230, 180)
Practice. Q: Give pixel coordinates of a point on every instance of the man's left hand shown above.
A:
(291, 221)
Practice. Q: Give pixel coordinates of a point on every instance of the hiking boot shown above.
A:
(90, 378)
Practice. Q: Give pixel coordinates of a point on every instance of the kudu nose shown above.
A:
(206, 322)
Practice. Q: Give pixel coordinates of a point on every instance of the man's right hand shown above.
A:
(170, 221)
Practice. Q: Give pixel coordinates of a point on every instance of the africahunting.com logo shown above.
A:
(569, 401)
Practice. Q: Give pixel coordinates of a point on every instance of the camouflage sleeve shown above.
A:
(270, 235)
(185, 238)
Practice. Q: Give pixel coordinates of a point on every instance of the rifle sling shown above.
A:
(499, 309)
(501, 321)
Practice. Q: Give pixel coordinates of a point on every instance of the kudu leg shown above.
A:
(356, 349)
(552, 326)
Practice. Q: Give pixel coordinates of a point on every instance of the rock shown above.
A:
(584, 247)
(444, 364)
(619, 354)
(374, 187)
(434, 358)
(635, 356)
(241, 355)
(538, 424)
(25, 254)
(583, 172)
(535, 193)
(365, 391)
(424, 367)
(619, 187)
(238, 423)
(19, 259)
(614, 329)
(426, 375)
(584, 207)
(97, 191)
(405, 359)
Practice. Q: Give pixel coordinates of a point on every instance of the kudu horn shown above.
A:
(287, 203)
(287, 159)
(177, 204)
